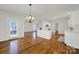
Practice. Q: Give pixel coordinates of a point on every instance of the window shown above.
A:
(13, 29)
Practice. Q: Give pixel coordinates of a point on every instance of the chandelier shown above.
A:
(29, 18)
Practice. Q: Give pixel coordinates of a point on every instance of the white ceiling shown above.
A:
(41, 11)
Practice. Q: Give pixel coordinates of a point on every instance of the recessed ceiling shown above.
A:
(39, 10)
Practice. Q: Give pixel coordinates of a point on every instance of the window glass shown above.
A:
(13, 29)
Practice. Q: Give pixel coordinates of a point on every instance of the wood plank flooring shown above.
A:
(31, 44)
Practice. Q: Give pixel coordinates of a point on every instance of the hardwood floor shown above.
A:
(31, 44)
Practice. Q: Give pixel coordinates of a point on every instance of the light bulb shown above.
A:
(29, 17)
(32, 18)
(26, 17)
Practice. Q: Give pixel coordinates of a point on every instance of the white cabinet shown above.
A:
(44, 34)
(72, 38)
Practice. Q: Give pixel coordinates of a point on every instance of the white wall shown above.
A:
(74, 18)
(5, 18)
(28, 27)
(62, 24)
(72, 36)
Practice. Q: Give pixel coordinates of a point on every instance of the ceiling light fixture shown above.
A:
(29, 18)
